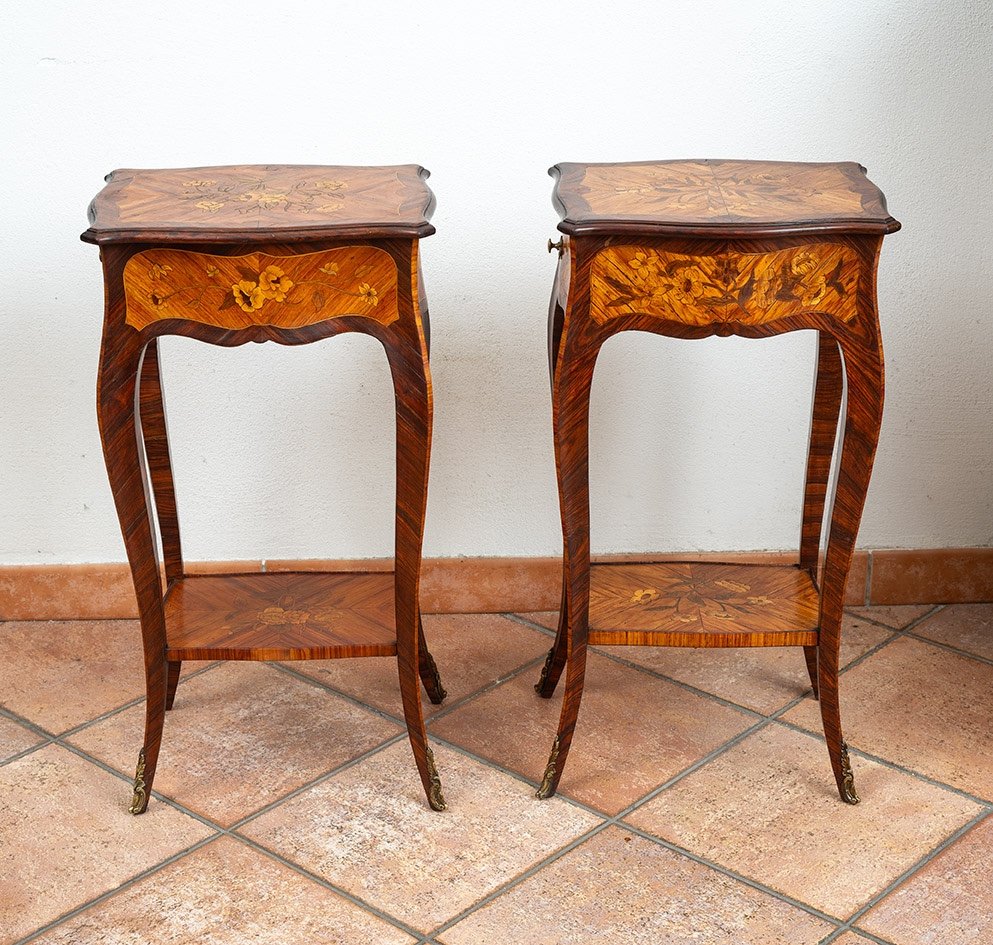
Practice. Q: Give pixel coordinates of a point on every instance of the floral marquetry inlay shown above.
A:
(687, 598)
(256, 202)
(674, 196)
(259, 289)
(728, 288)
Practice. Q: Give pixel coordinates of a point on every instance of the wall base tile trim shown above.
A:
(495, 585)
(937, 576)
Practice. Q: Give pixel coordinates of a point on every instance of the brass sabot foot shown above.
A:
(546, 789)
(435, 798)
(848, 792)
(139, 799)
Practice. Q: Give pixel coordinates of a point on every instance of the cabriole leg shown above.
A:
(570, 412)
(863, 364)
(828, 388)
(407, 352)
(117, 407)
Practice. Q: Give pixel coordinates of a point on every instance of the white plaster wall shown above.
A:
(696, 445)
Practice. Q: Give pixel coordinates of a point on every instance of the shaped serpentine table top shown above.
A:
(259, 203)
(718, 198)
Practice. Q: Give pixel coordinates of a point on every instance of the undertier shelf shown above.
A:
(702, 604)
(281, 616)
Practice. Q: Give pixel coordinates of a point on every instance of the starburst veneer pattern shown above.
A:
(690, 249)
(281, 616)
(693, 604)
(231, 255)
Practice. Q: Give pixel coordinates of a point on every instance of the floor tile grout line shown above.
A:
(103, 897)
(399, 719)
(320, 779)
(26, 751)
(885, 762)
(605, 650)
(730, 873)
(696, 766)
(712, 696)
(488, 687)
(608, 820)
(837, 933)
(935, 609)
(207, 821)
(128, 779)
(918, 866)
(110, 713)
(891, 637)
(516, 775)
(519, 878)
(27, 723)
(615, 820)
(303, 677)
(958, 651)
(314, 877)
(842, 670)
(531, 624)
(220, 830)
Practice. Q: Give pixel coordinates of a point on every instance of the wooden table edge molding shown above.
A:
(254, 253)
(692, 249)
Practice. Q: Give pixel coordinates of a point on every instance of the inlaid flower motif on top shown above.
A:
(325, 196)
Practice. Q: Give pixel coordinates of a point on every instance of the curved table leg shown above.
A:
(828, 387)
(407, 352)
(555, 660)
(863, 414)
(428, 669)
(155, 433)
(117, 408)
(570, 412)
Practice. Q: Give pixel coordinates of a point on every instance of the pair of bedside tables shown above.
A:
(687, 249)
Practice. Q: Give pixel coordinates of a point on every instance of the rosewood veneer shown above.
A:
(691, 249)
(229, 255)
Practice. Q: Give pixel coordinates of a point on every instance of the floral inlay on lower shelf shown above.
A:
(260, 289)
(747, 289)
(688, 600)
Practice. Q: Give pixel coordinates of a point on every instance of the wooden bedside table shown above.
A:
(691, 249)
(229, 255)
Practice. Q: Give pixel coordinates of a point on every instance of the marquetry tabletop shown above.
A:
(706, 197)
(260, 203)
(691, 249)
(255, 253)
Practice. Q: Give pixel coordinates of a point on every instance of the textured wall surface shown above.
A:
(696, 445)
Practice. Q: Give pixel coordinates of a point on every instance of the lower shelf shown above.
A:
(281, 616)
(702, 604)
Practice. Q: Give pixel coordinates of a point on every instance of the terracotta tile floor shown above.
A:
(698, 805)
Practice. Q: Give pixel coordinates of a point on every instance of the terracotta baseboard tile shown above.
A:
(491, 585)
(932, 576)
(66, 592)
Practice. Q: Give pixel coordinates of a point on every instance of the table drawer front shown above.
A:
(260, 289)
(724, 288)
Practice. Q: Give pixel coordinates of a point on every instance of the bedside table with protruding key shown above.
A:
(691, 249)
